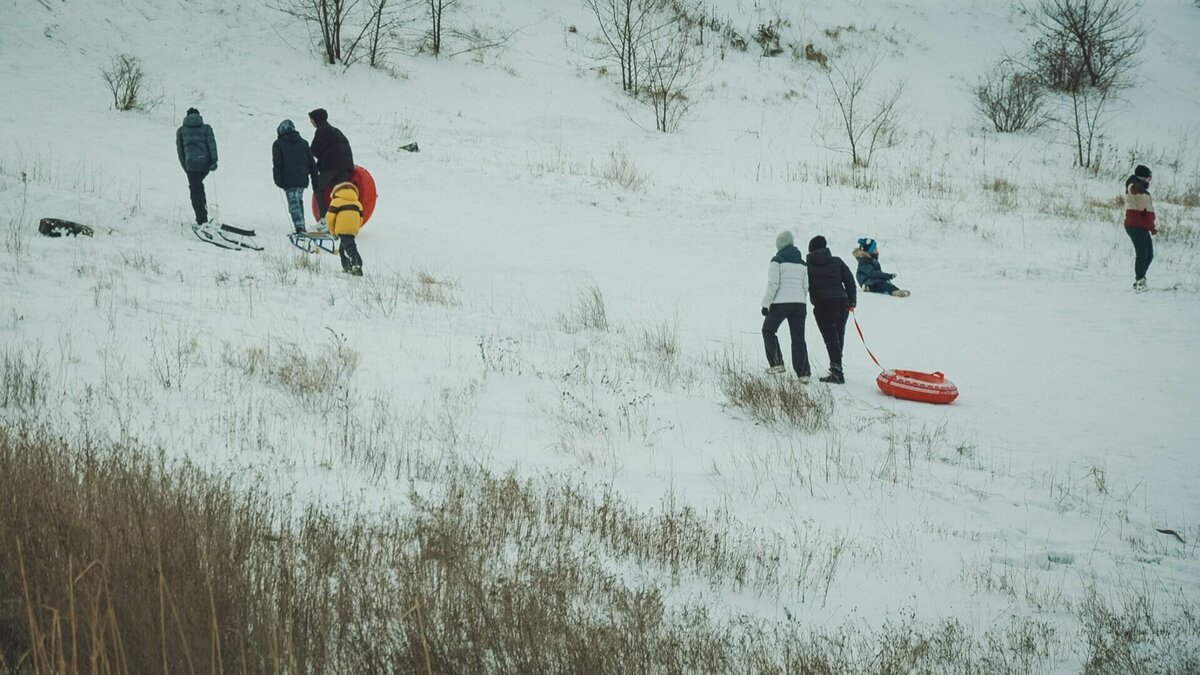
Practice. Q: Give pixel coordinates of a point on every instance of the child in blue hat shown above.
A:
(870, 273)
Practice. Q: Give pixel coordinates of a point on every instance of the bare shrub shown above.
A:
(625, 25)
(437, 22)
(811, 53)
(1010, 99)
(863, 125)
(172, 357)
(775, 400)
(328, 17)
(1086, 50)
(622, 172)
(671, 68)
(1086, 44)
(768, 35)
(588, 313)
(128, 84)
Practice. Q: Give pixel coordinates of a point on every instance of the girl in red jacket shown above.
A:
(1139, 223)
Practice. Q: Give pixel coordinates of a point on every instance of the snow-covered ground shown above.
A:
(1074, 435)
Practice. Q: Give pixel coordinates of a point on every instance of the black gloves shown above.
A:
(765, 311)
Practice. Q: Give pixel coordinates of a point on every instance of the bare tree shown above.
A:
(625, 25)
(328, 16)
(1086, 43)
(866, 123)
(128, 84)
(437, 15)
(671, 66)
(380, 32)
(1011, 99)
(1087, 109)
(1086, 50)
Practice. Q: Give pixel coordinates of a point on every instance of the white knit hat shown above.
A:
(784, 239)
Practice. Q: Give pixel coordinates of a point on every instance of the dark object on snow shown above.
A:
(57, 227)
(1173, 533)
(411, 147)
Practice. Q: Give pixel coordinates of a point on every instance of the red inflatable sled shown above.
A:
(911, 385)
(366, 193)
(917, 386)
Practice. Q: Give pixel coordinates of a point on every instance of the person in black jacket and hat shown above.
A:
(197, 148)
(833, 293)
(335, 159)
(293, 165)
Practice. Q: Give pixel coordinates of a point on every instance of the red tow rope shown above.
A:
(864, 341)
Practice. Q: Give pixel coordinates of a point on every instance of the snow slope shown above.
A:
(1073, 438)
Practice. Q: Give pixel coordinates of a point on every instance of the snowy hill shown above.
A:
(556, 290)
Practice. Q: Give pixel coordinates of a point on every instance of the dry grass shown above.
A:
(775, 400)
(308, 374)
(24, 381)
(112, 561)
(588, 313)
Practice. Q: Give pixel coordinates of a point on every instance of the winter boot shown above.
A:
(835, 376)
(1140, 285)
(901, 294)
(776, 370)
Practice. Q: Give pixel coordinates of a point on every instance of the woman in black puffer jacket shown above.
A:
(833, 293)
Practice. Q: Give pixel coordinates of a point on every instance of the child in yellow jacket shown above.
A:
(344, 219)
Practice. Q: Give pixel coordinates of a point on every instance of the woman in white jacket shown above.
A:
(787, 291)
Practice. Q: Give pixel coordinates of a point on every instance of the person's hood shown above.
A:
(820, 257)
(193, 120)
(346, 187)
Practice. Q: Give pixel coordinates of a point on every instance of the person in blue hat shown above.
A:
(294, 167)
(870, 273)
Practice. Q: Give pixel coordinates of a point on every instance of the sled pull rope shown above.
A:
(864, 341)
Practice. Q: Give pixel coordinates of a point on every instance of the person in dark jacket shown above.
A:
(335, 159)
(293, 166)
(870, 273)
(1139, 223)
(833, 294)
(197, 148)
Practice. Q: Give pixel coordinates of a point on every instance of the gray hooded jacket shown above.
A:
(196, 145)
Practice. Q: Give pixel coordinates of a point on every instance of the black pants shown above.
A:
(325, 183)
(831, 318)
(794, 312)
(196, 190)
(348, 252)
(1143, 247)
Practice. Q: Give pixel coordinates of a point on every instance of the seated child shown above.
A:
(870, 274)
(344, 219)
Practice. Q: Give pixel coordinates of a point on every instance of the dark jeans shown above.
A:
(1143, 247)
(325, 183)
(348, 251)
(831, 318)
(196, 190)
(794, 313)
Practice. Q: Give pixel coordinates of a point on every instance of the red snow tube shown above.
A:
(917, 386)
(366, 193)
